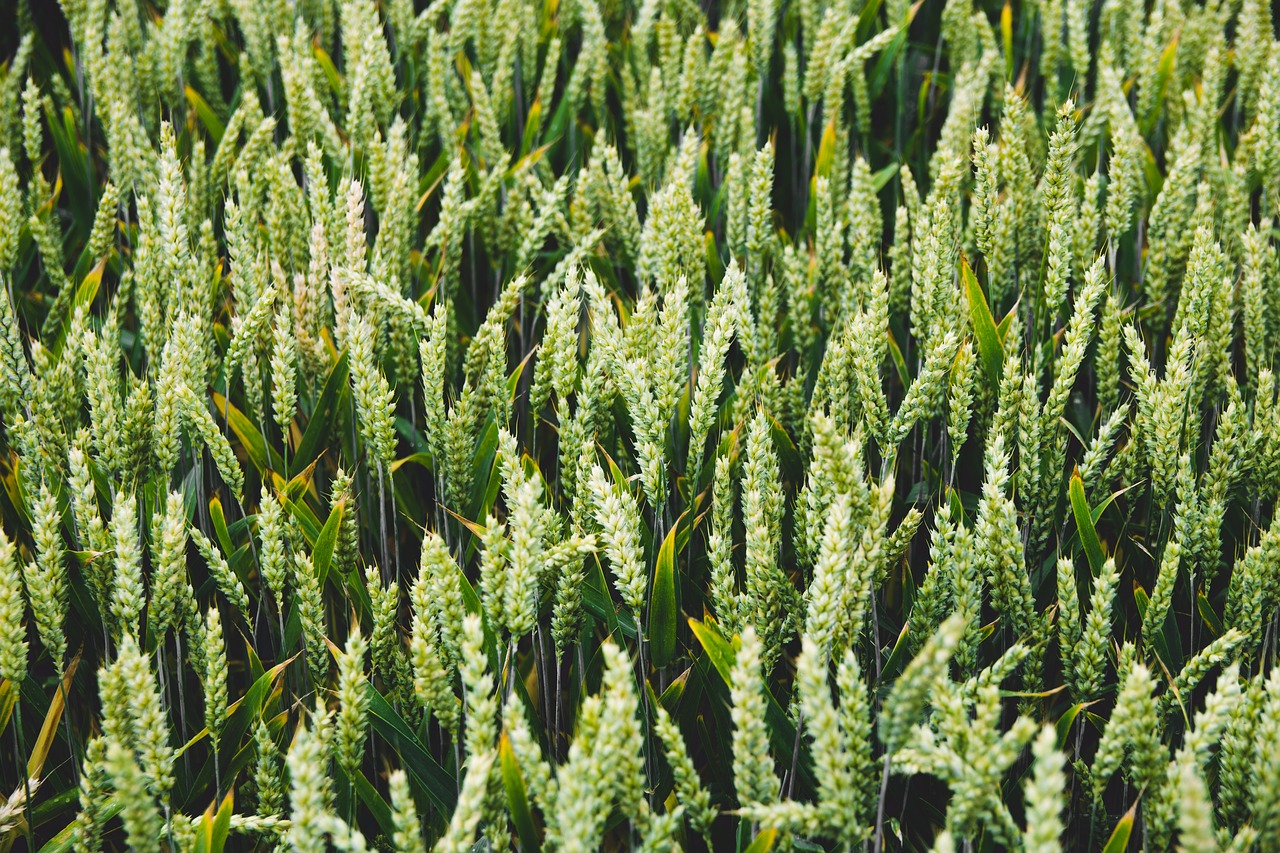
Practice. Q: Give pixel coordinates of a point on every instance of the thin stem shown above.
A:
(884, 788)
(20, 745)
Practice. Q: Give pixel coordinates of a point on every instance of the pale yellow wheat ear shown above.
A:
(353, 702)
(13, 643)
(310, 789)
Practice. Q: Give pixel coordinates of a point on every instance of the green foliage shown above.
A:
(495, 423)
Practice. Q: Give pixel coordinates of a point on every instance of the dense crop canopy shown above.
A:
(639, 425)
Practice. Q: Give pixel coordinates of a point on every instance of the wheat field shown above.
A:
(638, 425)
